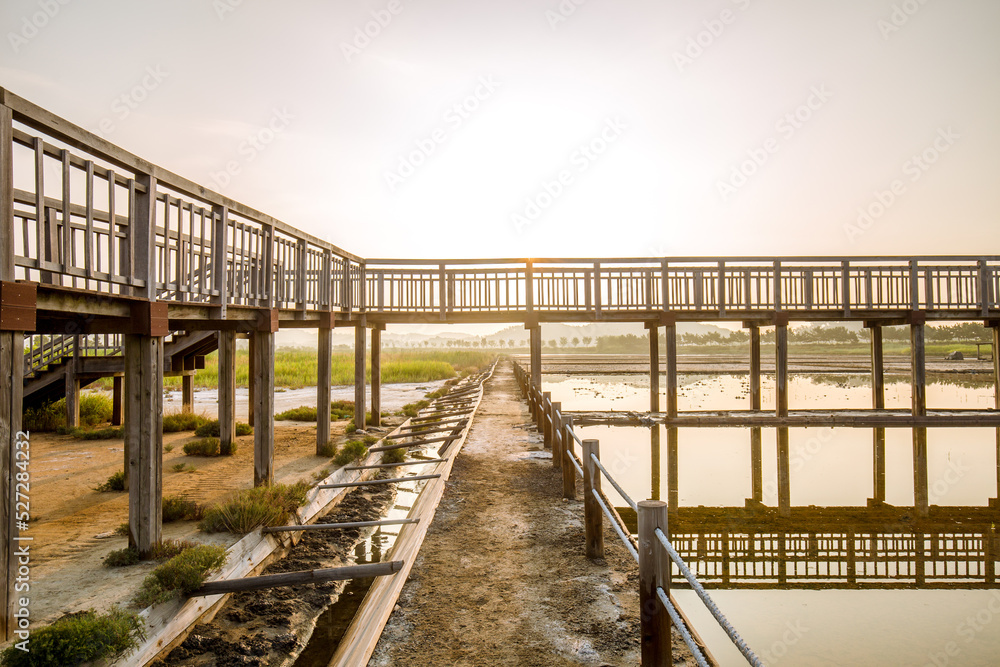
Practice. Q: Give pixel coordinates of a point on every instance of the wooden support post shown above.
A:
(917, 365)
(878, 367)
(756, 466)
(754, 366)
(13, 442)
(546, 424)
(376, 375)
(654, 572)
(227, 387)
(568, 469)
(324, 370)
(359, 375)
(670, 350)
(920, 497)
(673, 477)
(593, 516)
(878, 465)
(263, 410)
(187, 392)
(784, 474)
(72, 395)
(781, 368)
(144, 438)
(654, 368)
(117, 389)
(535, 336)
(251, 373)
(995, 326)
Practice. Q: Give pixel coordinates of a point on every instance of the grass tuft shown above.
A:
(303, 413)
(394, 455)
(180, 575)
(183, 421)
(114, 483)
(178, 508)
(203, 447)
(353, 450)
(210, 429)
(329, 450)
(78, 638)
(254, 508)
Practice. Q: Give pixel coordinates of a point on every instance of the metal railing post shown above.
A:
(593, 517)
(654, 622)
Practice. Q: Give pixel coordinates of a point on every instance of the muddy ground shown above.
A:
(502, 578)
(271, 627)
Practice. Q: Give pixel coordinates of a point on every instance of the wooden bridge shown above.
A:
(112, 265)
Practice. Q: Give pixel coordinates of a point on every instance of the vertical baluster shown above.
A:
(69, 254)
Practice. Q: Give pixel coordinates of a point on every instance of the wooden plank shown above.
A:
(417, 434)
(299, 578)
(324, 370)
(419, 443)
(376, 392)
(377, 482)
(336, 526)
(423, 425)
(227, 386)
(359, 375)
(144, 438)
(396, 465)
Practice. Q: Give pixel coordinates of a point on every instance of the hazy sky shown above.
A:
(537, 128)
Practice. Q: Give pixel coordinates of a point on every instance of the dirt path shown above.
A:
(502, 578)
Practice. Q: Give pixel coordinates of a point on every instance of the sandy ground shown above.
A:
(502, 578)
(72, 524)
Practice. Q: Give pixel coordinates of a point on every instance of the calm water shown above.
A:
(791, 588)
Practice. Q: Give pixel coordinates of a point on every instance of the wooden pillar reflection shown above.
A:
(672, 468)
(784, 475)
(654, 368)
(920, 498)
(756, 466)
(918, 370)
(878, 464)
(754, 366)
(878, 367)
(654, 462)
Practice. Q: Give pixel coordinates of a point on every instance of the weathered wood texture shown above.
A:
(299, 578)
(654, 572)
(593, 515)
(227, 387)
(654, 370)
(144, 438)
(324, 371)
(376, 399)
(263, 424)
(878, 368)
(359, 376)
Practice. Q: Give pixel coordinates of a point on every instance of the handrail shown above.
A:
(734, 636)
(681, 627)
(614, 483)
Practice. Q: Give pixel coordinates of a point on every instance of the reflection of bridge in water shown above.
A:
(836, 547)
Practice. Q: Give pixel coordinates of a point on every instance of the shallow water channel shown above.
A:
(843, 580)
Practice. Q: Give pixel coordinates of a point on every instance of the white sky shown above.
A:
(228, 69)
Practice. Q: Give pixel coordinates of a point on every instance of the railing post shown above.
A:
(845, 287)
(546, 416)
(597, 290)
(721, 296)
(593, 517)
(556, 435)
(914, 285)
(984, 287)
(220, 258)
(777, 285)
(568, 470)
(653, 573)
(443, 291)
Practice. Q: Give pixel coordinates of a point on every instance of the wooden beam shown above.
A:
(429, 441)
(376, 482)
(878, 465)
(324, 370)
(421, 426)
(338, 526)
(754, 367)
(144, 438)
(117, 390)
(654, 572)
(781, 369)
(187, 393)
(15, 448)
(654, 369)
(263, 425)
(756, 466)
(918, 373)
(784, 473)
(415, 462)
(921, 501)
(416, 434)
(670, 332)
(535, 344)
(299, 578)
(878, 367)
(359, 375)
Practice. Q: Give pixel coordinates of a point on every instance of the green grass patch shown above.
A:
(411, 409)
(181, 574)
(183, 421)
(182, 467)
(302, 413)
(328, 450)
(122, 557)
(78, 638)
(202, 447)
(179, 508)
(106, 433)
(342, 409)
(114, 483)
(45, 418)
(353, 450)
(255, 508)
(210, 429)
(394, 455)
